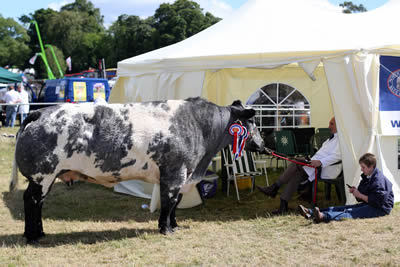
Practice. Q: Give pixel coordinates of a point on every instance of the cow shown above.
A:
(170, 143)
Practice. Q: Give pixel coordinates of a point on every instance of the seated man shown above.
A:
(374, 192)
(328, 154)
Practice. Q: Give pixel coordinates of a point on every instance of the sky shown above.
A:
(111, 9)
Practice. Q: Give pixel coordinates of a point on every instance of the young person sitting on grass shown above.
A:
(374, 192)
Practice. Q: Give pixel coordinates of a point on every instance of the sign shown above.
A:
(389, 95)
(99, 90)
(79, 91)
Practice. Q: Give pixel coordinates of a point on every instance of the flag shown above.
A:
(68, 61)
(33, 59)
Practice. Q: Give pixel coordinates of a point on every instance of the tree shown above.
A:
(130, 36)
(349, 7)
(76, 30)
(180, 20)
(14, 49)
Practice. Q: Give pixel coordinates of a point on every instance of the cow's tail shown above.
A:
(14, 174)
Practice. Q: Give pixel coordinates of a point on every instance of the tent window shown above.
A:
(279, 106)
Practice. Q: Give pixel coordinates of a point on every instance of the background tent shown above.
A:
(290, 41)
(9, 77)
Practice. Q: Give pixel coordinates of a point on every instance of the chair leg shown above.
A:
(227, 190)
(327, 191)
(237, 190)
(266, 175)
(340, 191)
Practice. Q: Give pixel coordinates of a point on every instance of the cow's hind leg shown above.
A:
(33, 201)
(169, 200)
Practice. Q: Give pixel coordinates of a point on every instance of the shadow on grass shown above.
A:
(88, 202)
(83, 237)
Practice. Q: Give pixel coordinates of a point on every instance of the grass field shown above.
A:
(90, 225)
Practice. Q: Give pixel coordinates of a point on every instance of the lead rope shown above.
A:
(273, 153)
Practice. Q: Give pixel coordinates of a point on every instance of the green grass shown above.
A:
(90, 225)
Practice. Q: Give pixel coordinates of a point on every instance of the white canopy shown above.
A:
(265, 34)
(270, 32)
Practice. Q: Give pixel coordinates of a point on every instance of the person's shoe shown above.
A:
(283, 208)
(269, 190)
(304, 212)
(318, 216)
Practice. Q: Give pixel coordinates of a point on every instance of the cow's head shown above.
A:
(254, 141)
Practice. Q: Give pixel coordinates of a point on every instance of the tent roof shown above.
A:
(270, 32)
(8, 76)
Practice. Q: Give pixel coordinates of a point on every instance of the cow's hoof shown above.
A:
(40, 235)
(32, 242)
(166, 230)
(174, 227)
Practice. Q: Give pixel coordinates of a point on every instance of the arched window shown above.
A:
(279, 106)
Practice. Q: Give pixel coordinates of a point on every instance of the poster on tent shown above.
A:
(389, 95)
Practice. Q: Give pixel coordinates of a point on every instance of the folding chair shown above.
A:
(318, 139)
(262, 162)
(240, 168)
(337, 181)
(285, 144)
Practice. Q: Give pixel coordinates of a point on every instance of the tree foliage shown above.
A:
(349, 7)
(14, 49)
(180, 20)
(77, 30)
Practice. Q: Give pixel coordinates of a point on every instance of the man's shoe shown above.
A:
(304, 212)
(283, 208)
(318, 216)
(269, 190)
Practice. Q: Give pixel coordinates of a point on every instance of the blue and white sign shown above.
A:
(389, 95)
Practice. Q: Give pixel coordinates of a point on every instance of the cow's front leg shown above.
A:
(33, 202)
(169, 200)
(172, 218)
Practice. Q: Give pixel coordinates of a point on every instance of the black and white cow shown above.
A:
(167, 142)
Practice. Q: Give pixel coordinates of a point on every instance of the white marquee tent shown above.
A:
(269, 40)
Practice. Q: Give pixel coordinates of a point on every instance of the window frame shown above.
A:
(293, 110)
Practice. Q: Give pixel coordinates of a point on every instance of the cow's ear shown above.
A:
(248, 113)
(237, 103)
(243, 113)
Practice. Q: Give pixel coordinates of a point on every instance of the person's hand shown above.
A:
(355, 192)
(315, 163)
(352, 189)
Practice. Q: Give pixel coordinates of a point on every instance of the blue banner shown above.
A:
(389, 95)
(389, 83)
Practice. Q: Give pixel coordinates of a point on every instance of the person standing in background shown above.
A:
(11, 98)
(23, 109)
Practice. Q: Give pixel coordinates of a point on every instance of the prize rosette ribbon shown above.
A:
(240, 136)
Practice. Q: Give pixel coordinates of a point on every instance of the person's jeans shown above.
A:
(11, 113)
(361, 210)
(23, 117)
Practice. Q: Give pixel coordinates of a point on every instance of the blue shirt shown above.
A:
(378, 189)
